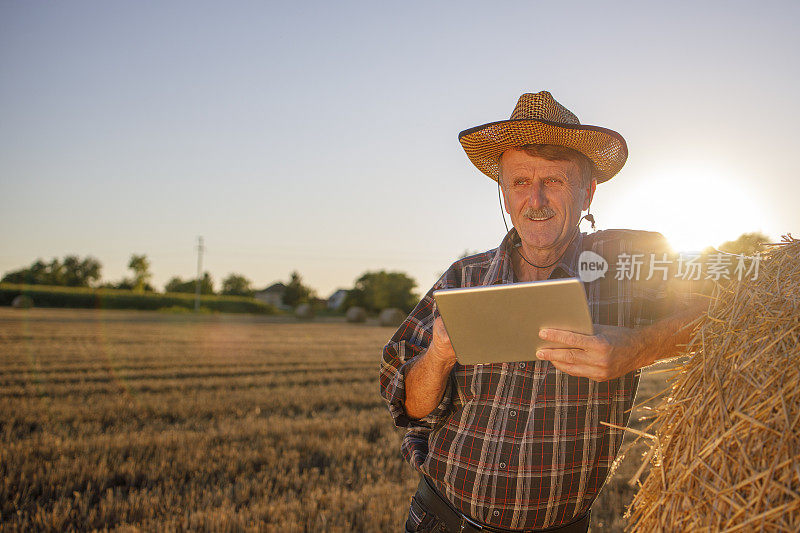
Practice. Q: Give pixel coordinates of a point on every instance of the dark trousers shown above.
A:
(435, 514)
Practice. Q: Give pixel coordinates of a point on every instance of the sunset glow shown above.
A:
(698, 205)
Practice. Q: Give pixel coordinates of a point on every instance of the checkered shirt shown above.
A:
(520, 445)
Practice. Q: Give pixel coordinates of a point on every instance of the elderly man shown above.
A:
(522, 446)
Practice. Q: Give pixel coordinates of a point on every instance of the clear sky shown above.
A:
(322, 136)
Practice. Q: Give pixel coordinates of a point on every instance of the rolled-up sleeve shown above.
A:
(400, 354)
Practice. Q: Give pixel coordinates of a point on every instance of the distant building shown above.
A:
(272, 295)
(336, 300)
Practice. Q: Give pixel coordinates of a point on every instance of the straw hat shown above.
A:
(539, 119)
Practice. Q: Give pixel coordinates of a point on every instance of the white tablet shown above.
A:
(501, 323)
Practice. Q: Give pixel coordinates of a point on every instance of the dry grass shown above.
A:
(141, 421)
(726, 449)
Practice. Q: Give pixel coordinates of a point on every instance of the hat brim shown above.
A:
(484, 144)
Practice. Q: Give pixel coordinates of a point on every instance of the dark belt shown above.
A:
(459, 523)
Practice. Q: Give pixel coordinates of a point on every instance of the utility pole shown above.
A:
(200, 249)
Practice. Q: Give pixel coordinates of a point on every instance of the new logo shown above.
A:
(591, 266)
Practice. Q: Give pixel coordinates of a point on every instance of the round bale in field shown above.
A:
(23, 301)
(391, 317)
(356, 314)
(304, 311)
(724, 453)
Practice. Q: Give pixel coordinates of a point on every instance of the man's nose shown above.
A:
(537, 197)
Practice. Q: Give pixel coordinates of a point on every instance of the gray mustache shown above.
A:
(544, 212)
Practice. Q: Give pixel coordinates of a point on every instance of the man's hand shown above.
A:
(610, 353)
(614, 351)
(440, 348)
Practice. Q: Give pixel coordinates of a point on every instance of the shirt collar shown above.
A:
(501, 270)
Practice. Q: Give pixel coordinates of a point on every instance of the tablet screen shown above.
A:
(501, 323)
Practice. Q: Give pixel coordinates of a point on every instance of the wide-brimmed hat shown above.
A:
(539, 119)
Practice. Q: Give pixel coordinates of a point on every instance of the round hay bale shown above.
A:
(356, 314)
(391, 317)
(23, 301)
(726, 436)
(304, 311)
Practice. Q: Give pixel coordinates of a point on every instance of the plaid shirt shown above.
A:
(520, 445)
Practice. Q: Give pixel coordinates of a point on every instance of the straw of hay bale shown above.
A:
(726, 444)
(391, 317)
(304, 311)
(356, 314)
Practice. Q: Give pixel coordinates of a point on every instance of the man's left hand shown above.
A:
(610, 353)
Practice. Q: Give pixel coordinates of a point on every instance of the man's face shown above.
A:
(544, 198)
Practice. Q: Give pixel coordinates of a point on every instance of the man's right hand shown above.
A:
(427, 379)
(440, 348)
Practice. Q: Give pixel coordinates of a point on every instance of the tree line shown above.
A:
(74, 271)
(372, 291)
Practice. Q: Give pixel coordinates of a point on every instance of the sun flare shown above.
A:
(694, 206)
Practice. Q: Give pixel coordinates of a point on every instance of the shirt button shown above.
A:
(496, 512)
(513, 413)
(502, 465)
(522, 365)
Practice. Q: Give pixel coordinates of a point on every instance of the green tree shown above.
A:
(124, 284)
(76, 272)
(141, 272)
(72, 272)
(746, 244)
(296, 293)
(176, 284)
(237, 285)
(379, 290)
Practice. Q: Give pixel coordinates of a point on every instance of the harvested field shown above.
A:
(140, 420)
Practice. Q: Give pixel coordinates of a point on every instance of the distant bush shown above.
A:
(178, 310)
(176, 284)
(237, 285)
(78, 297)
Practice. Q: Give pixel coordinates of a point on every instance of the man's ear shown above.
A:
(589, 194)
